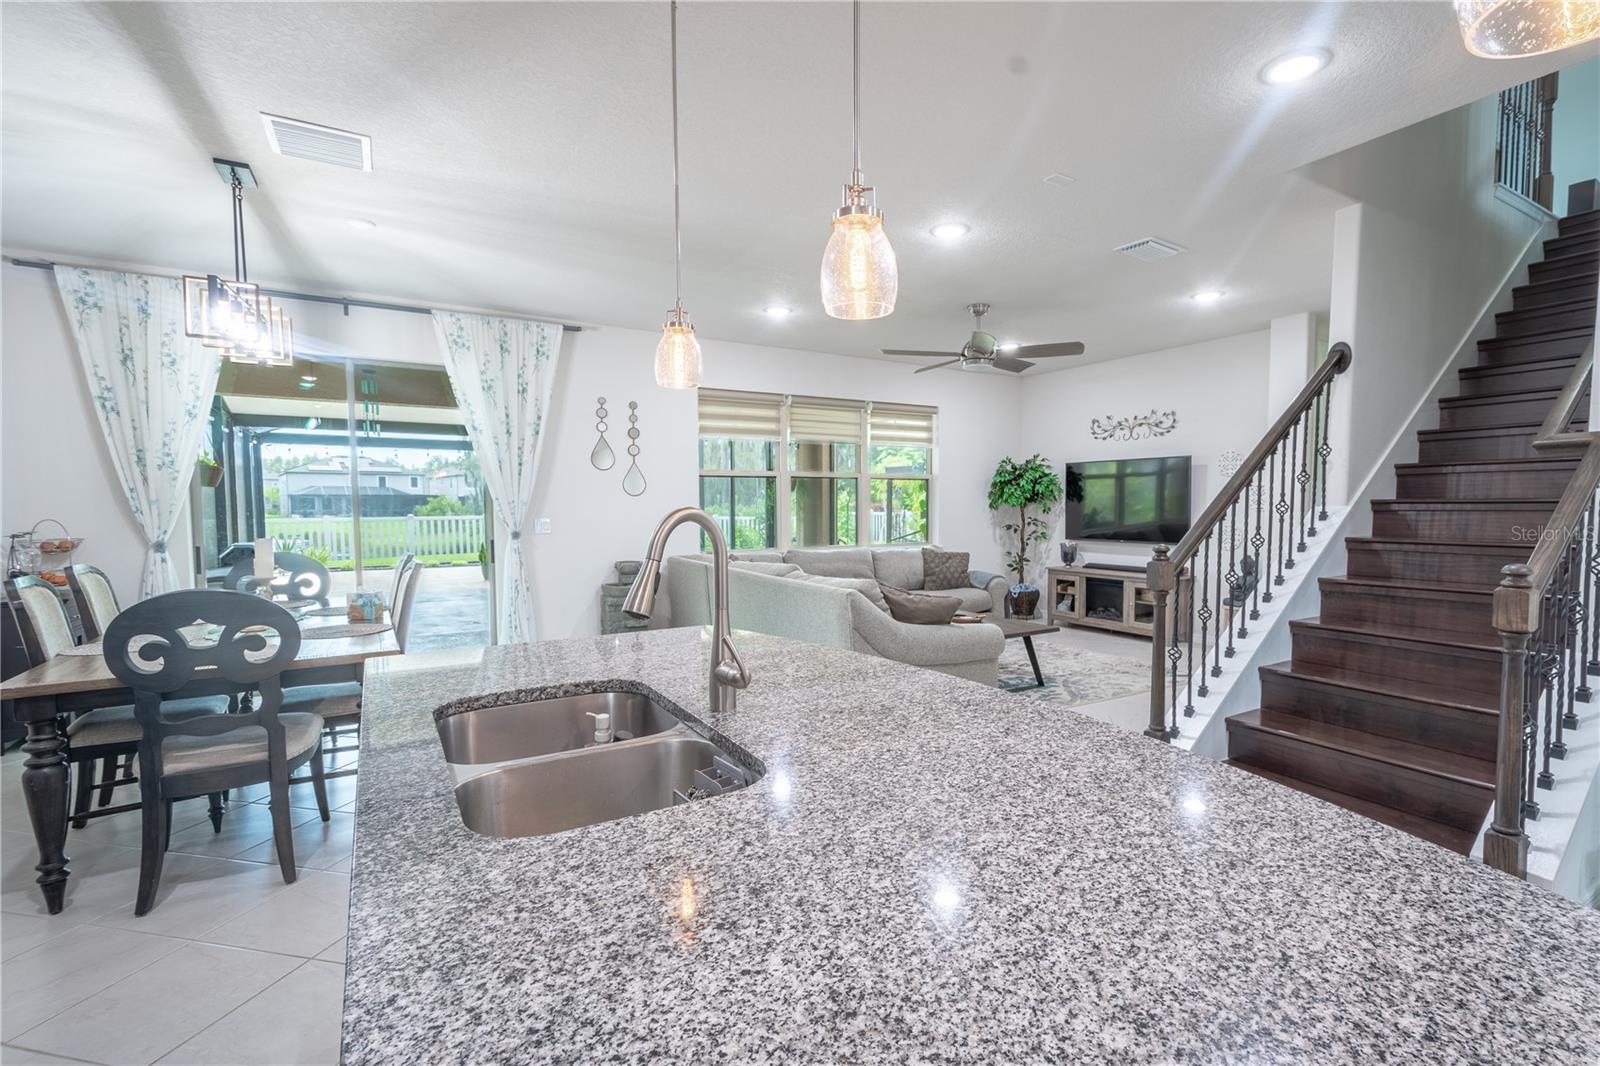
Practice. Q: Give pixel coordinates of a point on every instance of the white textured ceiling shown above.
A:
(522, 151)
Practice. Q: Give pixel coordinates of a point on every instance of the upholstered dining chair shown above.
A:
(339, 705)
(308, 579)
(400, 567)
(96, 599)
(158, 648)
(108, 736)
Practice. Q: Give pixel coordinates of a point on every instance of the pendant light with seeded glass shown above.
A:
(860, 278)
(678, 354)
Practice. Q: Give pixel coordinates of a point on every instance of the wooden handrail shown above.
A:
(1337, 362)
(1553, 433)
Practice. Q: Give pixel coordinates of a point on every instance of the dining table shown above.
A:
(48, 695)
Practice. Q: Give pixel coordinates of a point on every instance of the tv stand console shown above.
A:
(1111, 596)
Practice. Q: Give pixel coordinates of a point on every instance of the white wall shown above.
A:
(1575, 150)
(1417, 259)
(593, 523)
(54, 461)
(1218, 389)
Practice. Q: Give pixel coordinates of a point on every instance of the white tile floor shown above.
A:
(232, 965)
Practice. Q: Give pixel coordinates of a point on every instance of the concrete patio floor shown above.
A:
(451, 607)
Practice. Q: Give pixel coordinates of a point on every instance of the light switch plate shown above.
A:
(541, 525)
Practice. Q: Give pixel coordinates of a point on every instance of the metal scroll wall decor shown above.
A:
(1134, 427)
(633, 482)
(603, 458)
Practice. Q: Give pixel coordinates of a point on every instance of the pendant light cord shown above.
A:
(677, 225)
(241, 272)
(855, 93)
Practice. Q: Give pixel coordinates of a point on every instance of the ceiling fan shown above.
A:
(982, 350)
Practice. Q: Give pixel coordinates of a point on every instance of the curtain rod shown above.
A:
(311, 297)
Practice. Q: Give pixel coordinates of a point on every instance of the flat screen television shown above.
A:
(1139, 500)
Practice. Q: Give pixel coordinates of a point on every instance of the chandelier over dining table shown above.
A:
(235, 316)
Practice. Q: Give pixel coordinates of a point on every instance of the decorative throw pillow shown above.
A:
(945, 570)
(920, 610)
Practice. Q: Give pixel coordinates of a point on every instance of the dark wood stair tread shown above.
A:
(1521, 462)
(1442, 589)
(1439, 693)
(1391, 750)
(1379, 634)
(1444, 836)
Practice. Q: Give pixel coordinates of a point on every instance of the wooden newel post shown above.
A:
(1544, 181)
(1158, 575)
(1505, 845)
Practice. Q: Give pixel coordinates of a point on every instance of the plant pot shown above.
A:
(1023, 600)
(210, 474)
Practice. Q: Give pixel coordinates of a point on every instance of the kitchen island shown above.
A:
(927, 870)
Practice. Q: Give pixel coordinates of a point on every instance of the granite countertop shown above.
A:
(929, 871)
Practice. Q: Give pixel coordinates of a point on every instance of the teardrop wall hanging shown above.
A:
(602, 457)
(633, 482)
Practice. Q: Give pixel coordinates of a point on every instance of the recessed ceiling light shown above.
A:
(361, 223)
(1295, 66)
(777, 311)
(951, 231)
(1206, 297)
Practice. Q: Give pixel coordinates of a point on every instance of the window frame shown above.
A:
(783, 475)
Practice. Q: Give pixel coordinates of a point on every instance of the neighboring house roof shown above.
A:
(342, 488)
(340, 466)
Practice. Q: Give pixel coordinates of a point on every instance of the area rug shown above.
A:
(1071, 676)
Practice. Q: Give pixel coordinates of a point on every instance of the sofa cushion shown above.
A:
(978, 601)
(764, 567)
(899, 568)
(758, 555)
(944, 570)
(920, 609)
(865, 586)
(833, 562)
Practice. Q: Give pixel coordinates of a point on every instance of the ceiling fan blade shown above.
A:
(1048, 351)
(908, 351)
(1005, 362)
(935, 366)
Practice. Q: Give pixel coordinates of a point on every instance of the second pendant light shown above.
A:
(678, 353)
(860, 278)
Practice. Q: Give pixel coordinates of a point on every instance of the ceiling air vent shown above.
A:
(320, 144)
(1149, 249)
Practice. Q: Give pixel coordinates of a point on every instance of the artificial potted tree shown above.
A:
(1033, 488)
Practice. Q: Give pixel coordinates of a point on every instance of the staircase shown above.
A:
(1390, 704)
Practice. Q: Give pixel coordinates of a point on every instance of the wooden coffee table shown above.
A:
(1014, 628)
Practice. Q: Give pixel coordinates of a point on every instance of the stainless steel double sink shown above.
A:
(542, 772)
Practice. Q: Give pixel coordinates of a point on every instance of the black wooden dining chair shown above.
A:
(106, 736)
(308, 579)
(162, 647)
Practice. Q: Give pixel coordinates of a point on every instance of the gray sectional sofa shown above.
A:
(831, 597)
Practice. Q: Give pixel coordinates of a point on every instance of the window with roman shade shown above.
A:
(779, 471)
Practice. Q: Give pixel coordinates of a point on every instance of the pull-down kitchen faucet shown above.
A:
(728, 674)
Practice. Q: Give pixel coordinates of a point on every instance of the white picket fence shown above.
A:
(383, 538)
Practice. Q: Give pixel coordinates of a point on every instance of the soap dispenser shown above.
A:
(602, 727)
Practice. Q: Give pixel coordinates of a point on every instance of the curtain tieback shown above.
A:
(516, 534)
(159, 547)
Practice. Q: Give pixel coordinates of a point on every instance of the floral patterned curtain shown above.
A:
(502, 371)
(152, 389)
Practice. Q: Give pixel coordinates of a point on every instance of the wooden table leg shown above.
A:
(44, 786)
(1033, 658)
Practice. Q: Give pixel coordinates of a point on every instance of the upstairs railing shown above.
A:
(1522, 149)
(1210, 587)
(1544, 611)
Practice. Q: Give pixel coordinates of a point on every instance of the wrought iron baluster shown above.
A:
(1571, 650)
(1232, 577)
(1591, 625)
(1303, 477)
(1188, 662)
(1289, 472)
(1265, 562)
(1256, 541)
(1222, 621)
(1282, 506)
(1549, 632)
(1174, 655)
(1198, 587)
(1323, 451)
(1241, 590)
